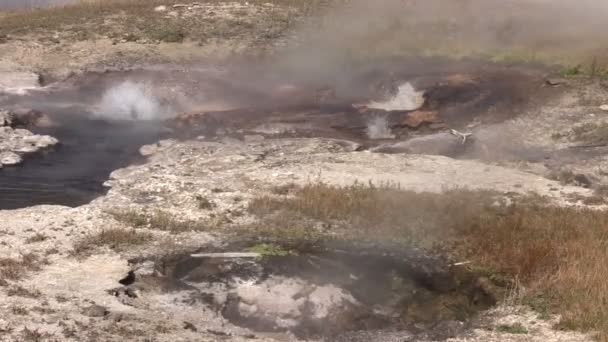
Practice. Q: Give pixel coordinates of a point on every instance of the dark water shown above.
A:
(73, 174)
(13, 4)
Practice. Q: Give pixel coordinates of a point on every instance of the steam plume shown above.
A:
(131, 101)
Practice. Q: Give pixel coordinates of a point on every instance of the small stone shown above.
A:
(148, 150)
(116, 316)
(41, 141)
(4, 326)
(10, 158)
(6, 119)
(604, 107)
(190, 326)
(95, 311)
(161, 8)
(555, 82)
(26, 149)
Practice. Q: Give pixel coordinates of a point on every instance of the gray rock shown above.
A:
(95, 311)
(16, 142)
(148, 150)
(6, 119)
(435, 144)
(10, 158)
(40, 141)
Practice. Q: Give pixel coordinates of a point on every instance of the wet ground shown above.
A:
(97, 138)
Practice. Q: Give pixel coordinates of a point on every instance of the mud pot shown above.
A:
(102, 118)
(341, 292)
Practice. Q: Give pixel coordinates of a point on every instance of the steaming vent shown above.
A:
(406, 98)
(378, 128)
(131, 101)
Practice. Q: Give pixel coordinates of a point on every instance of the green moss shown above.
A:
(572, 71)
(516, 328)
(158, 220)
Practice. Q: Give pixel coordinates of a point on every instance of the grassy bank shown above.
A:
(136, 20)
(555, 258)
(365, 35)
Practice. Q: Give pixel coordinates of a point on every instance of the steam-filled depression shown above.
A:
(95, 138)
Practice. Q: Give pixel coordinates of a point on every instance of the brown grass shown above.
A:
(158, 220)
(34, 335)
(134, 20)
(17, 268)
(38, 237)
(592, 133)
(558, 255)
(21, 311)
(117, 239)
(21, 291)
(204, 203)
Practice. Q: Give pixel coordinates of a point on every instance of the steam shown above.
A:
(378, 128)
(131, 101)
(359, 32)
(407, 98)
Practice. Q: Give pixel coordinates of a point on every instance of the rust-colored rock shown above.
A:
(325, 95)
(188, 119)
(459, 79)
(295, 95)
(418, 118)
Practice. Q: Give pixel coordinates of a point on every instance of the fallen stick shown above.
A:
(226, 255)
(588, 146)
(461, 263)
(463, 136)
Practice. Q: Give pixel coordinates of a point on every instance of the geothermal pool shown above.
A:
(102, 118)
(13, 4)
(73, 173)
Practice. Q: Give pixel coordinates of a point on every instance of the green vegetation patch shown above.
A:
(516, 328)
(157, 220)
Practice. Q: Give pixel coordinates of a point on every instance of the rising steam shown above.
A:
(378, 128)
(406, 98)
(131, 101)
